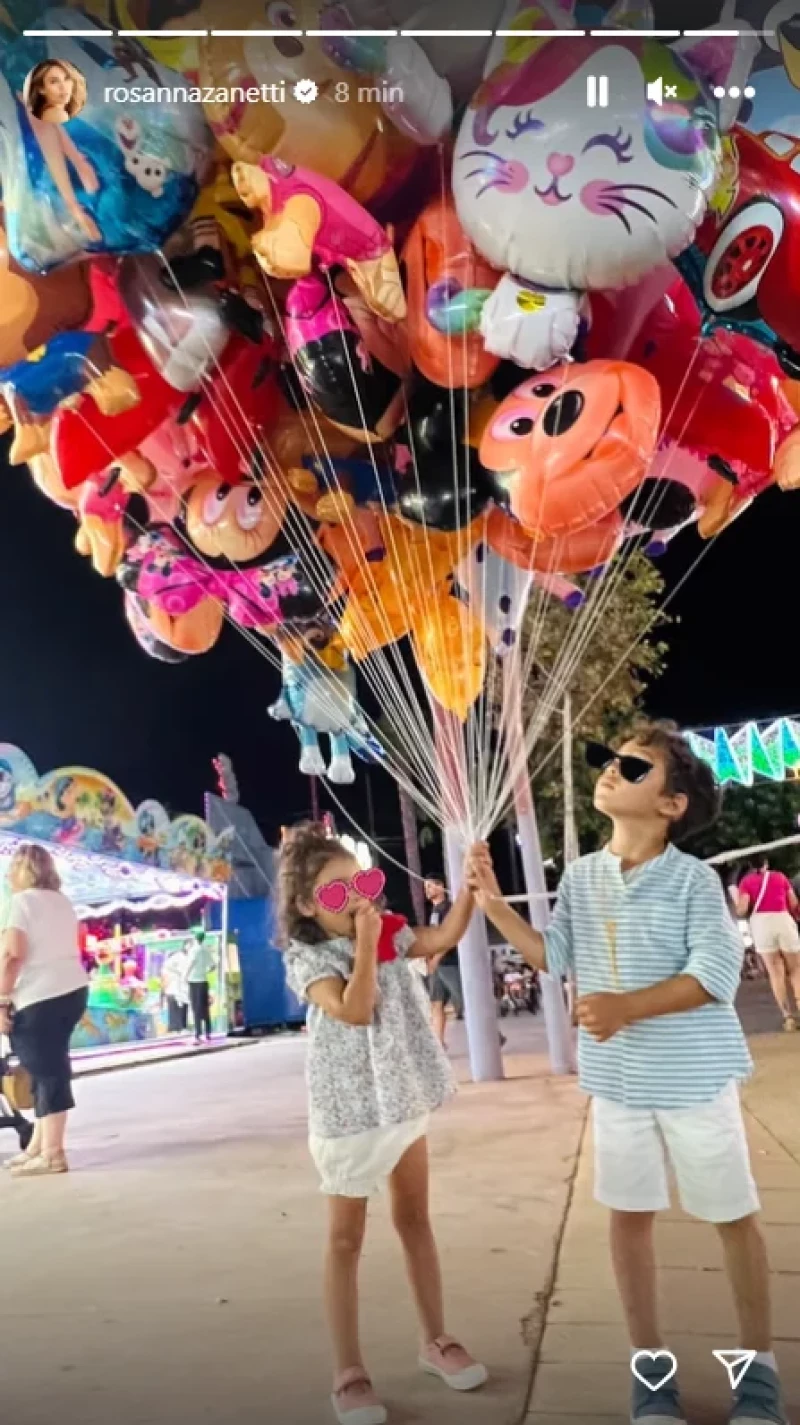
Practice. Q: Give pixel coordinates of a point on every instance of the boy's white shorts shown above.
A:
(705, 1146)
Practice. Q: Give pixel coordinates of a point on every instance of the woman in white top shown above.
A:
(43, 994)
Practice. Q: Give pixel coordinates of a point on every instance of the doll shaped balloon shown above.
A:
(54, 344)
(318, 697)
(220, 558)
(309, 219)
(566, 198)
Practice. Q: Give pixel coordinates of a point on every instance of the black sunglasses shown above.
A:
(632, 769)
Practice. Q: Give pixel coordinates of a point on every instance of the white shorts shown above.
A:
(359, 1164)
(705, 1146)
(773, 931)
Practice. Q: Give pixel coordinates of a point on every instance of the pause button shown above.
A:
(597, 91)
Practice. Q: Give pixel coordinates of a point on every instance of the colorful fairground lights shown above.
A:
(741, 754)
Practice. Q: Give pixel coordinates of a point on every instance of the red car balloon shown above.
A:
(744, 267)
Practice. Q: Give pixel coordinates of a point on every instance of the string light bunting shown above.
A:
(770, 750)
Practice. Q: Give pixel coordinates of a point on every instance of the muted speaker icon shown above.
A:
(655, 91)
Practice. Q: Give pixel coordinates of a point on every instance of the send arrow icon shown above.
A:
(736, 1363)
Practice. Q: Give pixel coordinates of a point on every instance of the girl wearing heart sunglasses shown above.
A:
(375, 1072)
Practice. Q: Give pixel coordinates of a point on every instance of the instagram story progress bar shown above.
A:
(597, 91)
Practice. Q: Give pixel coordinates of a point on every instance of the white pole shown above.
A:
(572, 848)
(474, 956)
(560, 1039)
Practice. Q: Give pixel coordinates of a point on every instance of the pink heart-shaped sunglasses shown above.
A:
(334, 895)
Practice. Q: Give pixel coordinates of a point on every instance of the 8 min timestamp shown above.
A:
(368, 93)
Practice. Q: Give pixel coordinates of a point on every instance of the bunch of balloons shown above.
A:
(346, 377)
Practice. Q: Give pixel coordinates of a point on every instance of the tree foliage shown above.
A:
(752, 816)
(625, 650)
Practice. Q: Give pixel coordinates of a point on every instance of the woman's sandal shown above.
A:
(41, 1166)
(19, 1159)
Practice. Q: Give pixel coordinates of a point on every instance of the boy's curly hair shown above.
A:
(306, 850)
(686, 773)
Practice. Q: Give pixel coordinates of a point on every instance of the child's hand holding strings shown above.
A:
(480, 875)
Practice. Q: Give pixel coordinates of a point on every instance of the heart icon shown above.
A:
(369, 884)
(647, 1375)
(333, 896)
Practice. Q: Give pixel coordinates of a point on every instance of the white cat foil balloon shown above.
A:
(567, 198)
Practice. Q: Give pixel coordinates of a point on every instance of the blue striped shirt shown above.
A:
(617, 932)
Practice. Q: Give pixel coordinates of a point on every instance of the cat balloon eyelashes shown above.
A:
(592, 198)
(334, 896)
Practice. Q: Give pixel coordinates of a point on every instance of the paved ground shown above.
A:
(174, 1275)
(581, 1368)
(151, 1051)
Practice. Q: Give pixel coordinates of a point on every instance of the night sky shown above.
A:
(77, 689)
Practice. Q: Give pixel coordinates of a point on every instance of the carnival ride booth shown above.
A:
(142, 884)
(127, 1003)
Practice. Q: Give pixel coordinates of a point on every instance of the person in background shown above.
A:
(200, 964)
(444, 972)
(768, 899)
(175, 990)
(43, 996)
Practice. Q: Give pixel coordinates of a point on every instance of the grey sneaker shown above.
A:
(758, 1399)
(655, 1407)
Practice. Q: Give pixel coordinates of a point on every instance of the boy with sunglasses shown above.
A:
(647, 934)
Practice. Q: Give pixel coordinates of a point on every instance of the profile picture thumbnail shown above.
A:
(54, 91)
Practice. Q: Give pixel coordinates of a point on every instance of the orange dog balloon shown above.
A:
(569, 444)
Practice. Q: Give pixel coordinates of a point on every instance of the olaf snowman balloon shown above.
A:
(566, 198)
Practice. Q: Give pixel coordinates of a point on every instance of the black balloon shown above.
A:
(352, 391)
(440, 480)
